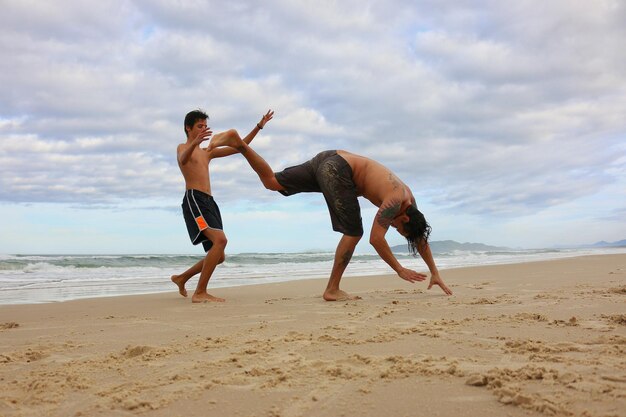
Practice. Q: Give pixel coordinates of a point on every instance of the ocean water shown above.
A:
(53, 278)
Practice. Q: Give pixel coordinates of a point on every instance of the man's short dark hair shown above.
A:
(192, 117)
(418, 230)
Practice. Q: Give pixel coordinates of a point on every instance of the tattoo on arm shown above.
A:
(387, 212)
(394, 181)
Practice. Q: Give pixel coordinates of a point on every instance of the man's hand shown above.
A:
(203, 135)
(185, 150)
(266, 118)
(410, 275)
(436, 280)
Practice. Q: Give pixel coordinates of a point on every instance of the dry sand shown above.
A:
(543, 338)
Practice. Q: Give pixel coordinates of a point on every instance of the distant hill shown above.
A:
(445, 246)
(603, 244)
(442, 246)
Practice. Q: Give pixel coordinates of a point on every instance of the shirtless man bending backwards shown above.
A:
(343, 176)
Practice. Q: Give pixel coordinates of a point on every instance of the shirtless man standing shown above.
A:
(341, 177)
(202, 215)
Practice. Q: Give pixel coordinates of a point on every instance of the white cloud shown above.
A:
(487, 109)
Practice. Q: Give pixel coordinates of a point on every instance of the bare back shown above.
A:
(376, 182)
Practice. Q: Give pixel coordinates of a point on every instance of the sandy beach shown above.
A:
(541, 338)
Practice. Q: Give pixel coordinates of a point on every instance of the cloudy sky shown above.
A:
(506, 119)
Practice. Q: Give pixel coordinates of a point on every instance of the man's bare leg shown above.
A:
(343, 255)
(259, 165)
(228, 138)
(181, 280)
(212, 258)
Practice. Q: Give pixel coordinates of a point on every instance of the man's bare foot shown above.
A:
(229, 138)
(339, 295)
(205, 298)
(181, 285)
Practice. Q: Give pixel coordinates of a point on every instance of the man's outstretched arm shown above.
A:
(226, 150)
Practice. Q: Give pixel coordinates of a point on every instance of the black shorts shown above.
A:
(201, 212)
(327, 173)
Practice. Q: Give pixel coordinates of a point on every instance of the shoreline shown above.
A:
(56, 291)
(526, 339)
(320, 281)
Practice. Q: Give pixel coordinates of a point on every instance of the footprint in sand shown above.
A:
(134, 351)
(483, 301)
(9, 325)
(615, 318)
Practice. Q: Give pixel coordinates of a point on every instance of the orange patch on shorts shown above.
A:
(201, 223)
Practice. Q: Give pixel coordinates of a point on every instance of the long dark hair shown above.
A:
(418, 230)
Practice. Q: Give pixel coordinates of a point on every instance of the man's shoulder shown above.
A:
(186, 144)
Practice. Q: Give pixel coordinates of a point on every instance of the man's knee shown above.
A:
(217, 238)
(271, 183)
(220, 241)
